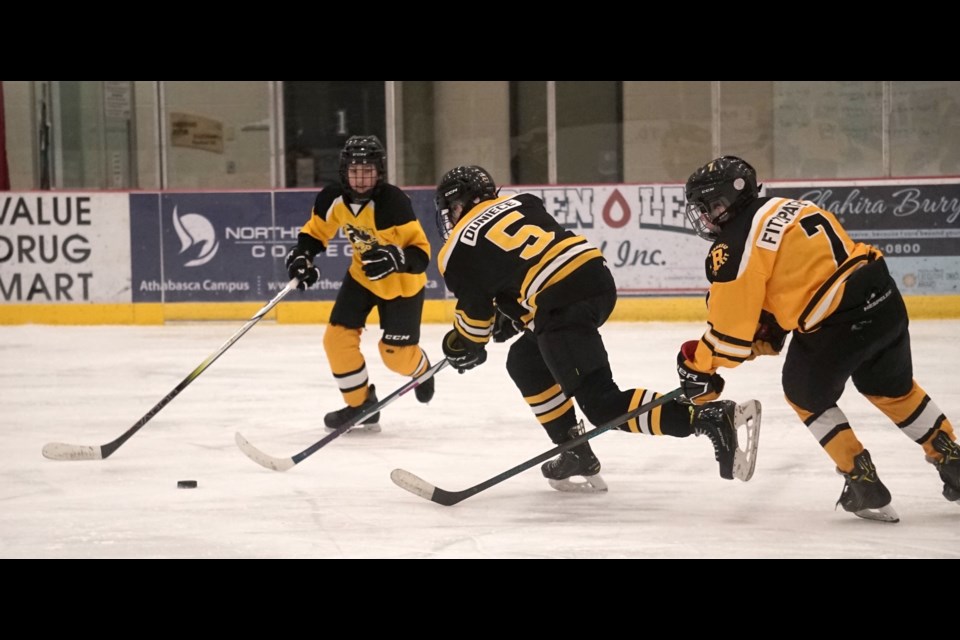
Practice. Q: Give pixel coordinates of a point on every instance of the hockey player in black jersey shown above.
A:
(515, 270)
(390, 257)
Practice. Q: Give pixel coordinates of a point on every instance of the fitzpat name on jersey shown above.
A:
(772, 230)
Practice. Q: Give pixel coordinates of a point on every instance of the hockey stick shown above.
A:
(63, 451)
(744, 462)
(285, 464)
(422, 488)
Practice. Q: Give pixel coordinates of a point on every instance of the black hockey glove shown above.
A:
(505, 327)
(769, 337)
(300, 266)
(698, 387)
(382, 260)
(462, 354)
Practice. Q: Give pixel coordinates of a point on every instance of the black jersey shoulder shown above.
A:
(324, 199)
(392, 207)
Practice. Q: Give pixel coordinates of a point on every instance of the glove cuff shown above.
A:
(309, 245)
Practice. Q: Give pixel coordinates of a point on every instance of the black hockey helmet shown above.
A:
(362, 150)
(717, 191)
(465, 186)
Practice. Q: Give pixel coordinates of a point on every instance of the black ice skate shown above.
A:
(948, 466)
(577, 461)
(336, 420)
(720, 421)
(863, 493)
(424, 390)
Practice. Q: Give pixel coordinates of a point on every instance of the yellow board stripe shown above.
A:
(679, 309)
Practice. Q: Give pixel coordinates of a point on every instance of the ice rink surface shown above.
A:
(87, 385)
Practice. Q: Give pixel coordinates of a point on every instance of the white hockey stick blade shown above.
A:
(261, 458)
(883, 514)
(63, 451)
(748, 416)
(587, 484)
(414, 484)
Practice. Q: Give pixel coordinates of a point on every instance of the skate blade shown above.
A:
(586, 484)
(747, 415)
(360, 428)
(883, 514)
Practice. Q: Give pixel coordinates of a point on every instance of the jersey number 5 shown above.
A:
(508, 242)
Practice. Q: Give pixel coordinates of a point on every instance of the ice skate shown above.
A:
(720, 421)
(948, 466)
(863, 494)
(424, 390)
(335, 420)
(578, 461)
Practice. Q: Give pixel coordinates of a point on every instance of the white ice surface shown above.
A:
(87, 385)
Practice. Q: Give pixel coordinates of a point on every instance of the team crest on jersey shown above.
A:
(719, 255)
(360, 238)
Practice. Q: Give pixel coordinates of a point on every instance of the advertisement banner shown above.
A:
(230, 247)
(915, 224)
(64, 247)
(145, 265)
(205, 247)
(641, 229)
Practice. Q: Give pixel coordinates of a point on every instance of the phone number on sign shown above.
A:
(901, 248)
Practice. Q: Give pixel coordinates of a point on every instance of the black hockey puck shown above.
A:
(186, 484)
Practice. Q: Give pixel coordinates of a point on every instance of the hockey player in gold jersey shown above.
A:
(515, 270)
(779, 265)
(390, 256)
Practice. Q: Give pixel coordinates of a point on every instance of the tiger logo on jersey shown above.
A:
(361, 239)
(719, 255)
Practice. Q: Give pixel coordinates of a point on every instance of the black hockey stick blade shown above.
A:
(285, 464)
(64, 451)
(420, 487)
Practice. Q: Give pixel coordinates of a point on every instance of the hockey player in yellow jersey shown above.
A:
(778, 266)
(390, 257)
(515, 270)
